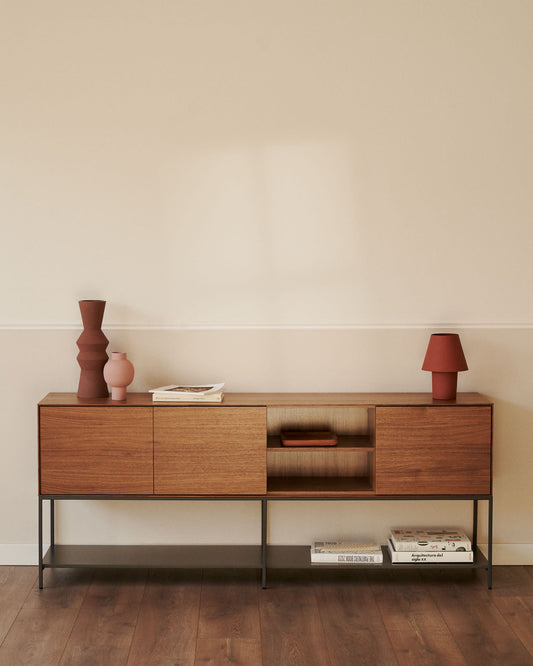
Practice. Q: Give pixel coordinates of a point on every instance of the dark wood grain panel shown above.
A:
(483, 634)
(518, 612)
(105, 625)
(327, 617)
(291, 628)
(355, 632)
(37, 638)
(96, 451)
(433, 450)
(210, 451)
(226, 651)
(513, 597)
(42, 626)
(65, 588)
(166, 631)
(230, 605)
(15, 583)
(416, 628)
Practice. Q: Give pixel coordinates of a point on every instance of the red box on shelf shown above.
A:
(308, 438)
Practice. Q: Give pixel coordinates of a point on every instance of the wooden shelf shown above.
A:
(345, 442)
(318, 486)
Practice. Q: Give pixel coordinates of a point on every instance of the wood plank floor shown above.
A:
(322, 618)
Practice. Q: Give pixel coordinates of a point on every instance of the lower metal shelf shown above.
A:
(298, 557)
(153, 557)
(218, 557)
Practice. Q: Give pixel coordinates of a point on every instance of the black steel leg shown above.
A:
(489, 553)
(52, 525)
(474, 527)
(40, 540)
(264, 518)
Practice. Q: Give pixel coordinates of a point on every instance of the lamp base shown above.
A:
(444, 385)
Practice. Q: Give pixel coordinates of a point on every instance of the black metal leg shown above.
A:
(52, 525)
(264, 518)
(474, 526)
(489, 553)
(40, 541)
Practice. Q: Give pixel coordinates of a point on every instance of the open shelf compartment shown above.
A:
(319, 485)
(347, 468)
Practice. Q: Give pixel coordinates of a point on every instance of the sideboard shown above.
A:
(390, 446)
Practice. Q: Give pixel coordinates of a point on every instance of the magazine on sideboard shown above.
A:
(188, 393)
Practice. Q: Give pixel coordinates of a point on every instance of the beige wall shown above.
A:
(283, 196)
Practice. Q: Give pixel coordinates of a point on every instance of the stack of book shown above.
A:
(429, 545)
(339, 552)
(180, 393)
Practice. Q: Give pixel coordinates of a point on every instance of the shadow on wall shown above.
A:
(512, 464)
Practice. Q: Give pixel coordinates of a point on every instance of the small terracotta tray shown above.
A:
(308, 438)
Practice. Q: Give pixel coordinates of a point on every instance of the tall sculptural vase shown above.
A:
(92, 357)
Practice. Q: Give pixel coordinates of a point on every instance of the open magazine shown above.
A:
(188, 393)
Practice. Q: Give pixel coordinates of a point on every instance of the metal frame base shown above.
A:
(249, 560)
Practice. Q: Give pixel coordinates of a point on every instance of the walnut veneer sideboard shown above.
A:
(390, 446)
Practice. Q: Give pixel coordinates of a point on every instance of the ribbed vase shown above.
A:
(92, 344)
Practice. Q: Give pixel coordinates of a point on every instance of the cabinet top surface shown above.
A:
(275, 400)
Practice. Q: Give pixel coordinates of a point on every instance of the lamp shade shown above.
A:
(444, 354)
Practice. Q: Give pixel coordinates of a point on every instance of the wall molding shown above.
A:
(37, 326)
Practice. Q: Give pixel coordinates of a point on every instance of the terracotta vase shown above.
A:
(118, 373)
(92, 357)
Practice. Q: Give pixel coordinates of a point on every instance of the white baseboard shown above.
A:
(20, 554)
(510, 553)
(25, 554)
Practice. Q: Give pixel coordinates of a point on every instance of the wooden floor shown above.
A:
(309, 618)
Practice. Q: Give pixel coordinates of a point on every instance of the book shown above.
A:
(182, 393)
(338, 552)
(420, 556)
(430, 539)
(209, 397)
(347, 554)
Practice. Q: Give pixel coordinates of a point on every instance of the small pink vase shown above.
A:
(118, 373)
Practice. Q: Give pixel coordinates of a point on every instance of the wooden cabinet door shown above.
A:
(96, 451)
(433, 450)
(209, 450)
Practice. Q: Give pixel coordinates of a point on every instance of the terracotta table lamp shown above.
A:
(444, 358)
